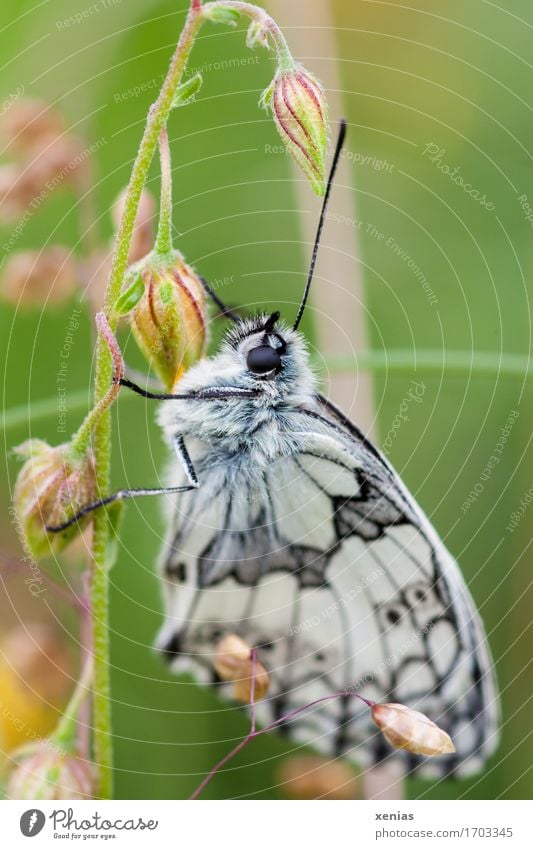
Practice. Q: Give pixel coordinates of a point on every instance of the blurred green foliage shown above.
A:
(448, 74)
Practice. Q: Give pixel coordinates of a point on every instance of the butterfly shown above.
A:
(287, 527)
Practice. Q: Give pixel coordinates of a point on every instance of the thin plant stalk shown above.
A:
(253, 733)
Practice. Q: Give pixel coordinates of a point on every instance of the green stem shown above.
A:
(163, 243)
(99, 590)
(255, 13)
(65, 733)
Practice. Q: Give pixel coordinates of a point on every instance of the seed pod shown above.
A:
(52, 486)
(233, 662)
(299, 109)
(169, 319)
(232, 655)
(411, 730)
(242, 689)
(48, 773)
(310, 777)
(32, 278)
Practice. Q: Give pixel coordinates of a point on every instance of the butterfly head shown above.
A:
(268, 354)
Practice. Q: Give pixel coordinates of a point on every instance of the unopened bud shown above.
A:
(299, 109)
(29, 122)
(46, 772)
(52, 486)
(233, 662)
(409, 729)
(317, 778)
(37, 277)
(57, 163)
(11, 205)
(143, 231)
(167, 315)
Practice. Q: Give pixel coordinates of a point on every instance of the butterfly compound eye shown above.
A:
(263, 360)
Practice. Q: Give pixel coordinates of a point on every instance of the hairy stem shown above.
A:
(255, 13)
(99, 590)
(163, 243)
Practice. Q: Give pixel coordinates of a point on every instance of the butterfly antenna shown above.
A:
(336, 155)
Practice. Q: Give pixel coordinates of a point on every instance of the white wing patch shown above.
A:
(327, 565)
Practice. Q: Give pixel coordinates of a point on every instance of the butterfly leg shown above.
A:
(123, 494)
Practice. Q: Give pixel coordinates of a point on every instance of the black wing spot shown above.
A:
(393, 616)
(176, 572)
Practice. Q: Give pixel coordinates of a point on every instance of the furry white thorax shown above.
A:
(260, 426)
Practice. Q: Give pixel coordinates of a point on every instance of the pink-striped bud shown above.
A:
(299, 109)
(47, 772)
(409, 729)
(53, 485)
(167, 313)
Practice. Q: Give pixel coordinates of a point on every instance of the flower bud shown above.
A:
(46, 772)
(32, 278)
(299, 109)
(169, 318)
(35, 678)
(143, 231)
(59, 162)
(233, 662)
(409, 729)
(52, 486)
(29, 122)
(304, 777)
(11, 204)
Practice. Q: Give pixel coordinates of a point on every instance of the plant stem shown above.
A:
(99, 590)
(255, 13)
(163, 242)
(66, 732)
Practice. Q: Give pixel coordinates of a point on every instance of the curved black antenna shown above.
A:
(335, 162)
(226, 311)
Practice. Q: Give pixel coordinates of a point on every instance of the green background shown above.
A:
(453, 74)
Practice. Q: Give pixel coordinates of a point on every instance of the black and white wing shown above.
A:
(326, 563)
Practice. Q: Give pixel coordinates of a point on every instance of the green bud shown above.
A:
(187, 91)
(299, 109)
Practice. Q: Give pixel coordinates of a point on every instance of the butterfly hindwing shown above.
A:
(326, 564)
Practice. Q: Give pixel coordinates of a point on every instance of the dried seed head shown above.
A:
(29, 122)
(169, 318)
(52, 486)
(299, 108)
(46, 772)
(233, 662)
(409, 729)
(143, 231)
(32, 278)
(308, 777)
(242, 689)
(232, 655)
